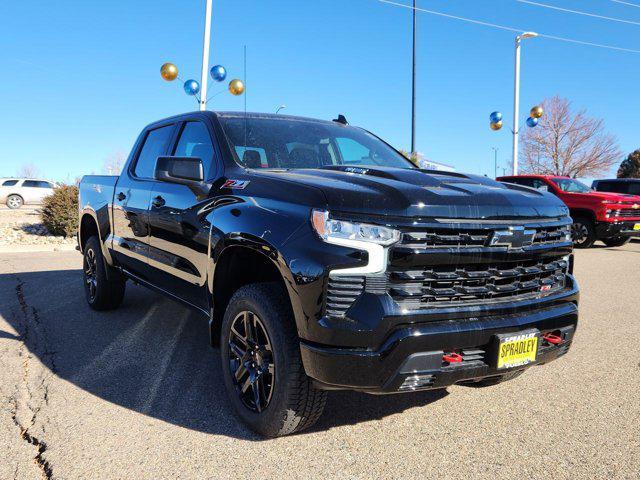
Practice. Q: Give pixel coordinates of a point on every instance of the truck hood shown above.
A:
(609, 197)
(398, 192)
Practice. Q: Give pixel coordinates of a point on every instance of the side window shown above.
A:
(196, 142)
(154, 146)
(9, 183)
(526, 182)
(36, 184)
(540, 185)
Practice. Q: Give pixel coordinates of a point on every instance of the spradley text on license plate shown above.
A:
(517, 350)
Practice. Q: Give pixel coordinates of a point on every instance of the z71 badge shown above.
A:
(237, 184)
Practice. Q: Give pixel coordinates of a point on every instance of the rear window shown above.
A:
(9, 183)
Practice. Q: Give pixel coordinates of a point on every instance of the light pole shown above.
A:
(516, 97)
(495, 161)
(205, 56)
(413, 85)
(280, 108)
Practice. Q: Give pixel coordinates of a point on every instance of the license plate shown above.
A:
(517, 350)
(636, 226)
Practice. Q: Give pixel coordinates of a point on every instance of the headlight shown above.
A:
(373, 239)
(330, 229)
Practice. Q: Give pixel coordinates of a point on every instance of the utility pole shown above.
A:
(205, 56)
(413, 85)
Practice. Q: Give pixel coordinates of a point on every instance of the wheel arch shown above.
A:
(582, 213)
(89, 225)
(237, 265)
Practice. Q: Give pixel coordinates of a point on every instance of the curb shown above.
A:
(36, 248)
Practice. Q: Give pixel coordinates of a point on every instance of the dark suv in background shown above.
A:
(629, 186)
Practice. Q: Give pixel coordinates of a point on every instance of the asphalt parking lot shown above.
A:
(137, 393)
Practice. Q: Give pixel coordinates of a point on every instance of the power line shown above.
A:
(511, 29)
(578, 12)
(626, 3)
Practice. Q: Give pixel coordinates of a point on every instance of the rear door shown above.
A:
(179, 228)
(34, 191)
(131, 201)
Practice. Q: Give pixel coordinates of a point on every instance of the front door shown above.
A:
(131, 203)
(179, 228)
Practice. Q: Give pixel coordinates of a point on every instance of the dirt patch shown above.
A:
(23, 227)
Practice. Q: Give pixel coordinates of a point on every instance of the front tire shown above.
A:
(262, 368)
(14, 202)
(583, 232)
(102, 291)
(616, 241)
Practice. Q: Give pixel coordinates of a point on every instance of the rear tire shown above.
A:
(583, 232)
(102, 292)
(14, 202)
(616, 241)
(262, 370)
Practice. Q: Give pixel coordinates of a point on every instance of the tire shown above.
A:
(14, 202)
(491, 381)
(287, 401)
(616, 241)
(101, 291)
(583, 232)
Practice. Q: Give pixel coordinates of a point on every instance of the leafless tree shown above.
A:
(568, 143)
(28, 170)
(113, 163)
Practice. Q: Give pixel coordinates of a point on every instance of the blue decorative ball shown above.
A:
(532, 122)
(218, 73)
(191, 87)
(495, 117)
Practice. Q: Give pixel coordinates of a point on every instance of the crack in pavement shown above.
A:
(33, 338)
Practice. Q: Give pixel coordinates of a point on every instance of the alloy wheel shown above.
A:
(251, 361)
(579, 232)
(14, 202)
(91, 273)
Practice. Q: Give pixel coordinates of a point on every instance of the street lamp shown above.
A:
(280, 108)
(205, 56)
(516, 96)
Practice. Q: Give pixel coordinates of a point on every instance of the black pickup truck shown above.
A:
(324, 260)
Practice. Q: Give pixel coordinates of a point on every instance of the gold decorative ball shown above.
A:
(496, 125)
(169, 72)
(236, 87)
(536, 112)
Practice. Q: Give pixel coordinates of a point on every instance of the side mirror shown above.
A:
(182, 170)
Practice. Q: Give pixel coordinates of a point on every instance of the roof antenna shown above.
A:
(341, 119)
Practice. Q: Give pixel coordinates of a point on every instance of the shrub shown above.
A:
(60, 211)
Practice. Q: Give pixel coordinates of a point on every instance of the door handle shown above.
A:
(158, 202)
(121, 196)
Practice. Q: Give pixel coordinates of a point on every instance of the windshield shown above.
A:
(571, 186)
(293, 143)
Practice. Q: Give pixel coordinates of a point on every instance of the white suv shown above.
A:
(16, 192)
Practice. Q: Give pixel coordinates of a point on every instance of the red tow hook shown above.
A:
(452, 357)
(553, 339)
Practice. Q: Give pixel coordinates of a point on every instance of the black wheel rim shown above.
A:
(251, 361)
(90, 273)
(580, 232)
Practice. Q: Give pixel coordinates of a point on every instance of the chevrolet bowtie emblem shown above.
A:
(514, 238)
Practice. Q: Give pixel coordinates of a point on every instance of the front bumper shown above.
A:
(617, 229)
(412, 355)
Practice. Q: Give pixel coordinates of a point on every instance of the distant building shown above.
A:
(431, 165)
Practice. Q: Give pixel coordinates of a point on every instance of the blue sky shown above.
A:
(80, 79)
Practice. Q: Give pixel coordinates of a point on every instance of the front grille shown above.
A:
(342, 291)
(627, 213)
(442, 266)
(451, 238)
(452, 285)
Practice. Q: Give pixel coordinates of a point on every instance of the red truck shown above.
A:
(611, 217)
